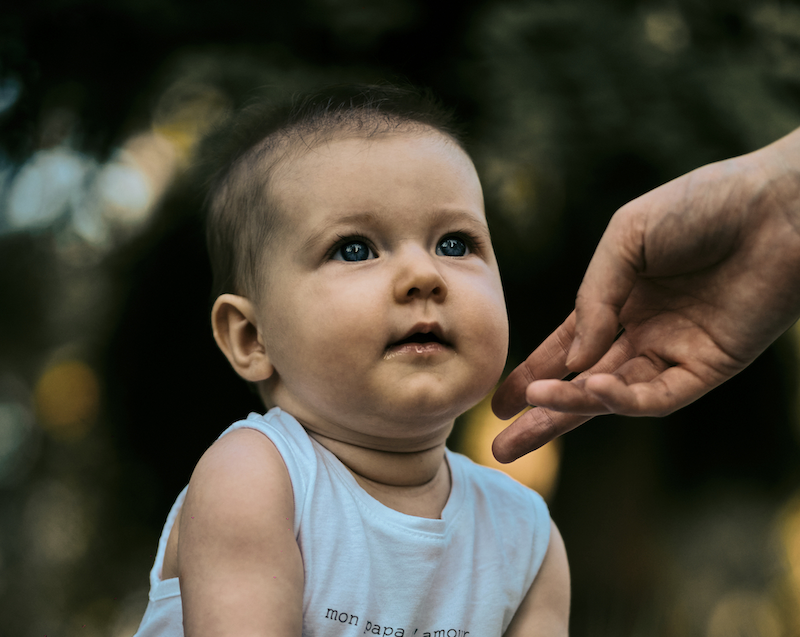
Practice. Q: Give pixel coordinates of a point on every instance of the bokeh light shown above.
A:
(57, 524)
(131, 184)
(16, 438)
(10, 89)
(745, 613)
(67, 398)
(49, 185)
(186, 111)
(538, 470)
(788, 531)
(667, 30)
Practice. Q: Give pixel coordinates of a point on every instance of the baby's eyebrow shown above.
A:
(461, 218)
(350, 220)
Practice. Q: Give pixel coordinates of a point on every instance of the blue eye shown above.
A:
(452, 246)
(353, 251)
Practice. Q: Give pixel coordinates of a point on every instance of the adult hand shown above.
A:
(701, 275)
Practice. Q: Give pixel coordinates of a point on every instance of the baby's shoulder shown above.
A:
(228, 487)
(238, 474)
(241, 453)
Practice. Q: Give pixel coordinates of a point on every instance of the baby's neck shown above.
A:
(415, 483)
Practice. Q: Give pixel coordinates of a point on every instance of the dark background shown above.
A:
(111, 386)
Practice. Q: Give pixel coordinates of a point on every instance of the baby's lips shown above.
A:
(422, 332)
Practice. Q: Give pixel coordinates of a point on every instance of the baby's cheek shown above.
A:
(488, 320)
(494, 346)
(499, 353)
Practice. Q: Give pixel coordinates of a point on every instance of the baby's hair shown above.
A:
(240, 211)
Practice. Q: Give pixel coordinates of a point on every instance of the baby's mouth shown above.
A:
(419, 337)
(419, 342)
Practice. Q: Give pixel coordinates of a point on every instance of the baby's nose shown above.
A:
(419, 277)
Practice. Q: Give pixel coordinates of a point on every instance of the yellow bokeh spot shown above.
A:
(538, 470)
(181, 138)
(185, 113)
(67, 399)
(744, 613)
(789, 533)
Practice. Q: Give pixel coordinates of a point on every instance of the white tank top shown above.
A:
(372, 570)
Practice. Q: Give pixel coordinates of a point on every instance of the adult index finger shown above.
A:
(546, 361)
(606, 286)
(532, 430)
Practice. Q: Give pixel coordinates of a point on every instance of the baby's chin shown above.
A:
(381, 436)
(423, 428)
(405, 421)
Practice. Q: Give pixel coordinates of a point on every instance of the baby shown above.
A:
(357, 289)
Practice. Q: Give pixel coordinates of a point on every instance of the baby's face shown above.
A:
(382, 310)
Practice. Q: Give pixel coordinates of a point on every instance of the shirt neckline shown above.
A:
(376, 507)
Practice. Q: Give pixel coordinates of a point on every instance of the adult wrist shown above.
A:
(776, 168)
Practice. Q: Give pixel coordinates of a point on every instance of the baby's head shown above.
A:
(241, 208)
(356, 281)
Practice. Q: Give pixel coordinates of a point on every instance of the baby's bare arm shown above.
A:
(240, 569)
(545, 609)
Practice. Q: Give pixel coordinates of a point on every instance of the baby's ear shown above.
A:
(233, 319)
